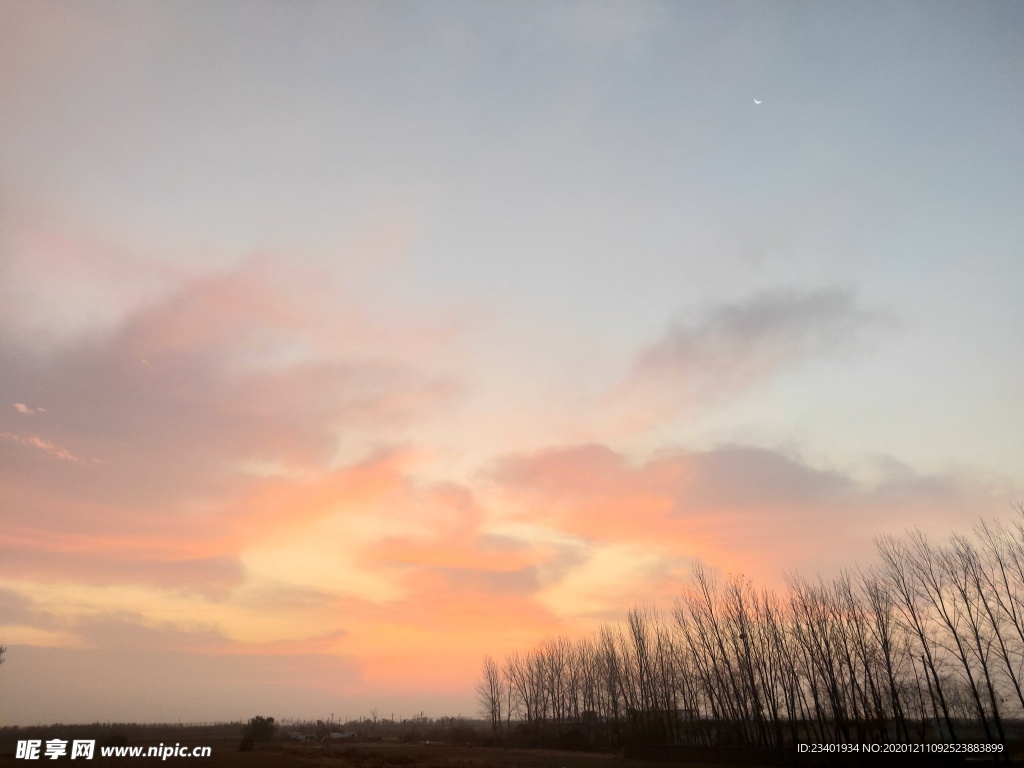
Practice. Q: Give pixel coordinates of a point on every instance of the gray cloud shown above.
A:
(742, 476)
(19, 610)
(734, 345)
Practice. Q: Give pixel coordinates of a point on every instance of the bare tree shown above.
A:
(891, 651)
(554, 659)
(931, 637)
(913, 616)
(938, 589)
(491, 696)
(814, 626)
(613, 673)
(517, 679)
(962, 566)
(1003, 585)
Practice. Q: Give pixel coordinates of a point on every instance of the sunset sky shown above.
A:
(344, 343)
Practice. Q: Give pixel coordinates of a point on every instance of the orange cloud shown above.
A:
(743, 509)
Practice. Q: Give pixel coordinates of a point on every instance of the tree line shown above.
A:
(927, 644)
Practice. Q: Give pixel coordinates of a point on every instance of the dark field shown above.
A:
(224, 741)
(406, 756)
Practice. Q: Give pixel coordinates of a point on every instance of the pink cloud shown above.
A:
(238, 367)
(742, 509)
(34, 441)
(182, 397)
(53, 536)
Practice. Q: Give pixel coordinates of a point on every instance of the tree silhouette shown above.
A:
(927, 644)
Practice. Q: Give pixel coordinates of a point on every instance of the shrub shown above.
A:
(258, 728)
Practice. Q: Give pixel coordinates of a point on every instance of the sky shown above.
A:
(342, 344)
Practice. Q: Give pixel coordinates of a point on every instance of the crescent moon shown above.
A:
(756, 101)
